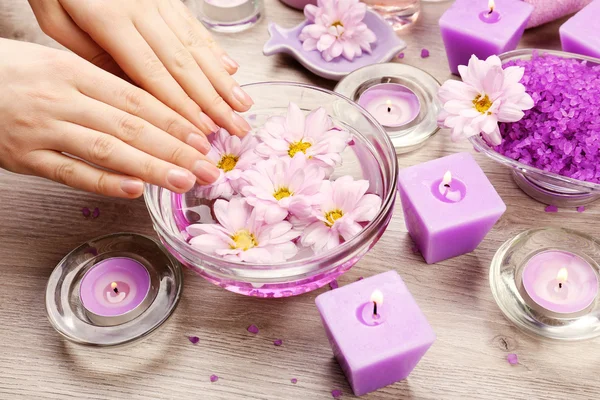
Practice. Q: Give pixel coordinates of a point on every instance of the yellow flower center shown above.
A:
(244, 240)
(332, 216)
(282, 193)
(227, 162)
(338, 23)
(298, 146)
(482, 103)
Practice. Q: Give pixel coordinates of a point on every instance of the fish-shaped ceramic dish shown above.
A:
(387, 46)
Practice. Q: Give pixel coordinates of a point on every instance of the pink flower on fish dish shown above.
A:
(337, 29)
(343, 206)
(487, 95)
(313, 135)
(241, 236)
(233, 156)
(280, 186)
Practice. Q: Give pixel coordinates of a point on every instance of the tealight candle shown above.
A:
(483, 28)
(391, 104)
(115, 291)
(576, 34)
(228, 11)
(560, 282)
(377, 331)
(449, 206)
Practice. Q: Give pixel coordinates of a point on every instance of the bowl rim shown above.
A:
(338, 253)
(480, 144)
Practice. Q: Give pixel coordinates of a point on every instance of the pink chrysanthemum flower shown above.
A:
(337, 29)
(241, 236)
(233, 156)
(280, 186)
(344, 204)
(313, 135)
(487, 95)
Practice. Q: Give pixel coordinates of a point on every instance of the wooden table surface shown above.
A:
(41, 221)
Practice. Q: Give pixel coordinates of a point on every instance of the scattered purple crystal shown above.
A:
(86, 212)
(561, 133)
(253, 329)
(580, 209)
(96, 213)
(214, 378)
(551, 209)
(278, 342)
(424, 53)
(401, 55)
(334, 284)
(512, 359)
(294, 380)
(336, 393)
(194, 339)
(360, 278)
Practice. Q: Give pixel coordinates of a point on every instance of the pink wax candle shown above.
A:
(114, 291)
(449, 206)
(392, 104)
(580, 33)
(376, 330)
(483, 28)
(560, 281)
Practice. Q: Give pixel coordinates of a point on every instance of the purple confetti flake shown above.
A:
(214, 378)
(512, 359)
(580, 209)
(360, 278)
(294, 380)
(86, 212)
(424, 53)
(194, 339)
(336, 393)
(401, 55)
(334, 284)
(253, 329)
(551, 209)
(96, 213)
(278, 342)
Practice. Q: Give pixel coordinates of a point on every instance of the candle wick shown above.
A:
(560, 285)
(447, 185)
(116, 290)
(374, 308)
(389, 109)
(491, 11)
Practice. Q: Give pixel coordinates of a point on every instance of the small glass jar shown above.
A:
(230, 15)
(399, 13)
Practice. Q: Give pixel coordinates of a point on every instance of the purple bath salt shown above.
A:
(294, 380)
(551, 209)
(253, 329)
(424, 53)
(580, 209)
(334, 284)
(401, 55)
(561, 133)
(214, 378)
(512, 359)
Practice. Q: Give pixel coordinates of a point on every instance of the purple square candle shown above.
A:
(483, 28)
(580, 33)
(375, 346)
(449, 206)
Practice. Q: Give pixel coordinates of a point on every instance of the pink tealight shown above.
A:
(560, 281)
(114, 291)
(392, 105)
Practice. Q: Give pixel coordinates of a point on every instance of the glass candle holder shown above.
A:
(230, 15)
(398, 13)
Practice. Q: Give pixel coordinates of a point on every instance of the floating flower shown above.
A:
(241, 236)
(487, 95)
(313, 135)
(233, 156)
(337, 29)
(344, 204)
(280, 186)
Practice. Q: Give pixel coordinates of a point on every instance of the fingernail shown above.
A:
(132, 186)
(229, 61)
(242, 96)
(181, 179)
(240, 122)
(209, 123)
(206, 171)
(198, 142)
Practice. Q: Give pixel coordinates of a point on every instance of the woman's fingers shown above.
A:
(75, 173)
(135, 101)
(140, 135)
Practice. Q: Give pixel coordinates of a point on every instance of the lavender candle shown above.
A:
(580, 33)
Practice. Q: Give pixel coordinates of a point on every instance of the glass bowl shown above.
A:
(369, 156)
(545, 187)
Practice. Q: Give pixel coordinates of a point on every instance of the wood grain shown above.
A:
(41, 221)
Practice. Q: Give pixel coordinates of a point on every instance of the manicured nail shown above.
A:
(229, 61)
(198, 142)
(212, 127)
(206, 171)
(132, 186)
(181, 179)
(242, 96)
(240, 122)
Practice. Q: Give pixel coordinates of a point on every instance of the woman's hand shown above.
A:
(58, 109)
(161, 46)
